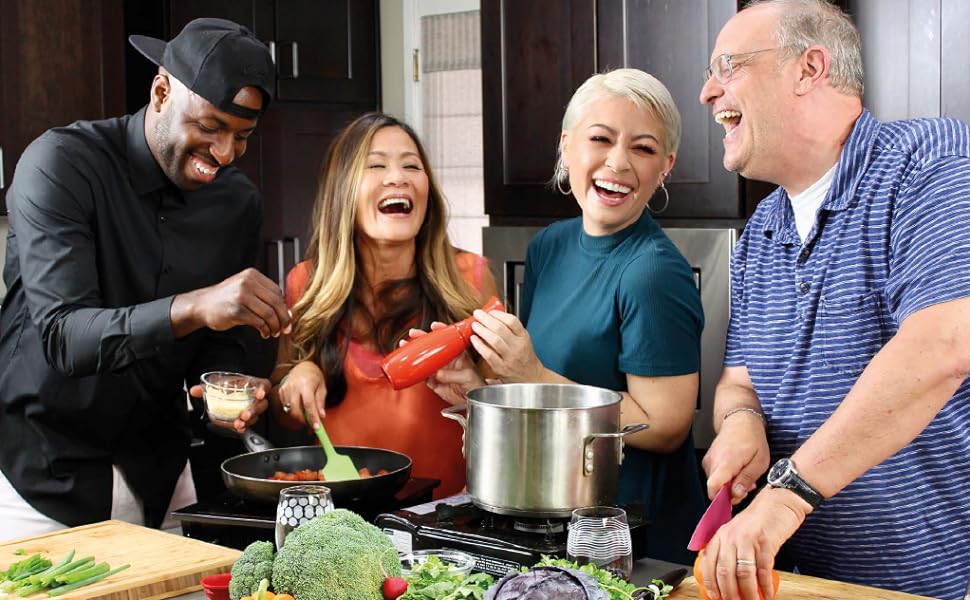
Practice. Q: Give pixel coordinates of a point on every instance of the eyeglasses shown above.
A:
(722, 68)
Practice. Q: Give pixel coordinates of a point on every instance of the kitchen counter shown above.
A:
(803, 587)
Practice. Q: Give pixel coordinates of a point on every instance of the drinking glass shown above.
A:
(601, 535)
(297, 505)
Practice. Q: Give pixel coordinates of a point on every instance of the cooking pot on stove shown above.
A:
(541, 450)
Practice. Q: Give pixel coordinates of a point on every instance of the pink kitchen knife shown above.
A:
(717, 514)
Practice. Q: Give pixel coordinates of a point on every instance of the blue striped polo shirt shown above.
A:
(892, 237)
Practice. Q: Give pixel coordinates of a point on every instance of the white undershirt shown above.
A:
(806, 204)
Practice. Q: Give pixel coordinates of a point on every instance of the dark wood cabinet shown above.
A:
(60, 61)
(534, 55)
(325, 50)
(915, 57)
(537, 53)
(673, 41)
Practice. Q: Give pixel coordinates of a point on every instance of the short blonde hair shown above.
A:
(642, 89)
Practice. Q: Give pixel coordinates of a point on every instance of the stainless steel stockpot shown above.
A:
(541, 450)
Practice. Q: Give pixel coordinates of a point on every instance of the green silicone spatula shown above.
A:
(339, 467)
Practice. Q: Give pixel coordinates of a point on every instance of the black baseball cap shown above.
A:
(215, 58)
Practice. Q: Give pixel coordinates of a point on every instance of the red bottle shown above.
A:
(422, 357)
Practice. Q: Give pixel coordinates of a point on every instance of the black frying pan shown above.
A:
(248, 475)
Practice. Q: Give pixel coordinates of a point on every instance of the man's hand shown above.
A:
(739, 452)
(248, 417)
(246, 298)
(740, 557)
(303, 393)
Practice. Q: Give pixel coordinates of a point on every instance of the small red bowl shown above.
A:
(216, 587)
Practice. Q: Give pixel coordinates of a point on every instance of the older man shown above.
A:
(126, 266)
(849, 343)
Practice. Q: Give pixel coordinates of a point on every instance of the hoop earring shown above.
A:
(559, 181)
(666, 201)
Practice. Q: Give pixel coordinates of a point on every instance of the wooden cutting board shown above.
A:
(162, 564)
(803, 587)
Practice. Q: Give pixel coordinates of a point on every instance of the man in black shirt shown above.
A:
(126, 272)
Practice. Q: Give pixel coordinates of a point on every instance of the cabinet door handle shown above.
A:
(280, 267)
(296, 60)
(272, 50)
(2, 181)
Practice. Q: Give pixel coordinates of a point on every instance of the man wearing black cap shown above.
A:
(126, 272)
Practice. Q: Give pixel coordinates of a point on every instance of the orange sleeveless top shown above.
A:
(408, 421)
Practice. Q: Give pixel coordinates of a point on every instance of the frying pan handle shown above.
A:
(255, 442)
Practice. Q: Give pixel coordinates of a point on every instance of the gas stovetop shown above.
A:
(499, 542)
(230, 521)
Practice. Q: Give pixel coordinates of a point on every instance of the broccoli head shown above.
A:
(252, 566)
(336, 556)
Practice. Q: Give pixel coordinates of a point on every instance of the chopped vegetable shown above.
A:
(78, 584)
(433, 579)
(36, 574)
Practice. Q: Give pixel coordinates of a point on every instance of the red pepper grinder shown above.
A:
(422, 357)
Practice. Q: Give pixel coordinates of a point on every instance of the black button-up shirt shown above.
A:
(99, 243)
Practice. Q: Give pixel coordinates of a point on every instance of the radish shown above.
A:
(394, 587)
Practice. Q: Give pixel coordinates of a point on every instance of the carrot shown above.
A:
(775, 581)
(284, 597)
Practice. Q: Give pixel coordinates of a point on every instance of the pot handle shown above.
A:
(588, 453)
(452, 413)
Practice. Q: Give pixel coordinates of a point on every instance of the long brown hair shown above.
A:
(437, 292)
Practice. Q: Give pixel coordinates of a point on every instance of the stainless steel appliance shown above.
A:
(707, 249)
(499, 543)
(542, 450)
(231, 521)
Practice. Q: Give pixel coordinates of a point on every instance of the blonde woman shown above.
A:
(609, 301)
(379, 264)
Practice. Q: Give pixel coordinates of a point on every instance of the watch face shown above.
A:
(778, 472)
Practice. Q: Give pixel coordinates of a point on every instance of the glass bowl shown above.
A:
(458, 563)
(227, 395)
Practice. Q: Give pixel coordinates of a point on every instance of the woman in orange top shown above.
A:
(379, 263)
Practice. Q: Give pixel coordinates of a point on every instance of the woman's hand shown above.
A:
(248, 417)
(452, 381)
(302, 393)
(502, 340)
(740, 557)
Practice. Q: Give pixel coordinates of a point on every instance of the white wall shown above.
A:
(392, 60)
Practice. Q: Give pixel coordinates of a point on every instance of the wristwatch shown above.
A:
(782, 474)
